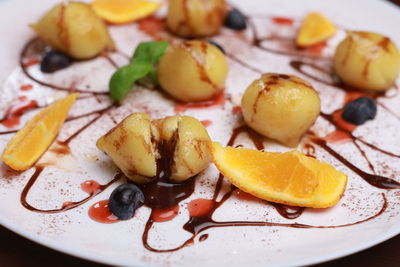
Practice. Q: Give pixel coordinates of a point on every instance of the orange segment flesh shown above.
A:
(123, 11)
(315, 29)
(28, 145)
(289, 178)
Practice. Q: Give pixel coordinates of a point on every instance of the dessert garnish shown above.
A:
(367, 61)
(142, 65)
(163, 157)
(315, 28)
(174, 148)
(235, 20)
(28, 145)
(124, 11)
(125, 200)
(53, 61)
(289, 178)
(193, 71)
(359, 110)
(75, 29)
(281, 107)
(195, 18)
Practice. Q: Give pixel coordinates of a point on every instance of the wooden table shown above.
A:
(18, 251)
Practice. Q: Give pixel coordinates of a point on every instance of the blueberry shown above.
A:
(359, 111)
(124, 201)
(53, 61)
(217, 45)
(235, 20)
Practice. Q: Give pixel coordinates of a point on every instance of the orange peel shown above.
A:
(29, 143)
(124, 11)
(289, 178)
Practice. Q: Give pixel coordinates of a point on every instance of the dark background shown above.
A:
(18, 251)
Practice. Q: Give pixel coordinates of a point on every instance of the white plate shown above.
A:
(73, 232)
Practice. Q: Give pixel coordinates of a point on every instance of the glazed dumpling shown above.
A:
(75, 29)
(281, 107)
(367, 61)
(195, 18)
(193, 71)
(140, 147)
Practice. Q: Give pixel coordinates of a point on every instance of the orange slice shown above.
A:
(315, 29)
(123, 11)
(28, 145)
(289, 178)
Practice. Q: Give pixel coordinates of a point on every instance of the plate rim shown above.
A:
(98, 258)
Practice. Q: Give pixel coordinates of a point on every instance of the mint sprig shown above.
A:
(142, 64)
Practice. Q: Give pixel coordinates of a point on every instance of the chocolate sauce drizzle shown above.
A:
(33, 44)
(63, 146)
(71, 205)
(258, 43)
(62, 150)
(162, 193)
(329, 118)
(288, 212)
(374, 180)
(197, 224)
(243, 63)
(99, 111)
(255, 137)
(8, 132)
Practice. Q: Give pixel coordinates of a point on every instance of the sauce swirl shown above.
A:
(163, 196)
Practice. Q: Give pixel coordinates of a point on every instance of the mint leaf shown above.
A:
(150, 51)
(153, 76)
(123, 79)
(142, 65)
